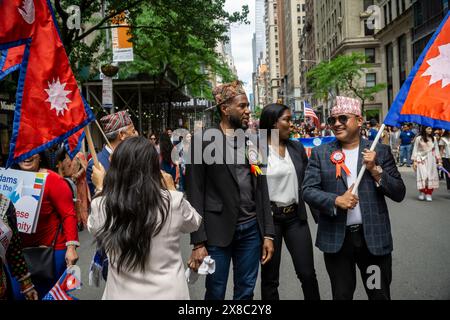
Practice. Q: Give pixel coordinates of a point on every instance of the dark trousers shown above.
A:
(245, 251)
(341, 268)
(298, 240)
(446, 164)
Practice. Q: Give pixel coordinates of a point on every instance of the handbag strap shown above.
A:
(56, 235)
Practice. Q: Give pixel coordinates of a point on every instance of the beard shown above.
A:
(236, 123)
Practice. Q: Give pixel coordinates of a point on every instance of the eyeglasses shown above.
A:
(343, 119)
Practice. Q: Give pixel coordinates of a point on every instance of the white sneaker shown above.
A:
(429, 198)
(422, 196)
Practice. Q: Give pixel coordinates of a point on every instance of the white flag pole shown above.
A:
(363, 169)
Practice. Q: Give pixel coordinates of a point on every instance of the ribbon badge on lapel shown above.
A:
(253, 159)
(338, 159)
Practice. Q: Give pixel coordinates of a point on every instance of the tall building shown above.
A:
(272, 49)
(342, 27)
(291, 14)
(307, 49)
(396, 21)
(260, 35)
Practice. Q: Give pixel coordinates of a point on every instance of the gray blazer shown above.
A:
(321, 188)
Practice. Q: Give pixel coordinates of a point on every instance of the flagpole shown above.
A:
(91, 146)
(372, 148)
(104, 135)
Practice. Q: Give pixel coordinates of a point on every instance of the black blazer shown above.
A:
(213, 190)
(300, 160)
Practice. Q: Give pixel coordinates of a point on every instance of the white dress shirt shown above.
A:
(282, 179)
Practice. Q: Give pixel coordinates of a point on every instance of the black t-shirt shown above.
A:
(247, 204)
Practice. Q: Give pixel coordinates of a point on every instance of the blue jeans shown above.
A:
(405, 153)
(245, 250)
(42, 288)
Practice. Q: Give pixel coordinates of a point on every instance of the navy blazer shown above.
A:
(321, 188)
(103, 158)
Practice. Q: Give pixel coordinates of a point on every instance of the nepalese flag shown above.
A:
(49, 105)
(310, 143)
(425, 96)
(73, 143)
(67, 283)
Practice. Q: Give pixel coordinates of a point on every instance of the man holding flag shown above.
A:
(353, 229)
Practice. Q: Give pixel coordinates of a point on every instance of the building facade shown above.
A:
(307, 49)
(272, 49)
(292, 15)
(343, 27)
(396, 21)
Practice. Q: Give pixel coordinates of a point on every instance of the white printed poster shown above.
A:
(25, 190)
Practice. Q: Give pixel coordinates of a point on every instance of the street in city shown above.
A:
(421, 256)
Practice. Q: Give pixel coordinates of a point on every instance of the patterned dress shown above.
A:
(14, 256)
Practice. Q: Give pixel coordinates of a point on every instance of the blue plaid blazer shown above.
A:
(321, 188)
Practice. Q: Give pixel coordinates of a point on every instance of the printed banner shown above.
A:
(25, 190)
(310, 143)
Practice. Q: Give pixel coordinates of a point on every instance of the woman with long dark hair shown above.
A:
(138, 222)
(286, 167)
(426, 157)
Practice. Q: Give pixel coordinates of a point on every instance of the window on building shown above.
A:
(276, 44)
(385, 15)
(303, 8)
(370, 55)
(368, 30)
(371, 80)
(299, 20)
(299, 8)
(367, 3)
(402, 58)
(389, 72)
(389, 11)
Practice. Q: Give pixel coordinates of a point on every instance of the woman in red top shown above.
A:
(57, 218)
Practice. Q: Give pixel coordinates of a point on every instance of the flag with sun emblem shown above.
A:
(425, 96)
(49, 105)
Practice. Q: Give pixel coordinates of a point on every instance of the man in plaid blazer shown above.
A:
(353, 229)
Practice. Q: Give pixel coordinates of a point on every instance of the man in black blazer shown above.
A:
(353, 229)
(233, 201)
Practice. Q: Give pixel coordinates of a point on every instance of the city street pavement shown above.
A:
(421, 257)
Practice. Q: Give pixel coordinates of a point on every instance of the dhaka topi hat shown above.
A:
(345, 105)
(227, 91)
(116, 121)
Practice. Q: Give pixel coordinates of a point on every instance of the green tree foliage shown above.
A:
(175, 35)
(342, 75)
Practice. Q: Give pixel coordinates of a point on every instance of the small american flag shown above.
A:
(309, 113)
(67, 283)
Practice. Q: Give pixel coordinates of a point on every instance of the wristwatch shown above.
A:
(377, 171)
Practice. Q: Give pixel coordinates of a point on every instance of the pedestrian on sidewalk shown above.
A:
(427, 158)
(231, 197)
(286, 167)
(138, 219)
(353, 230)
(444, 145)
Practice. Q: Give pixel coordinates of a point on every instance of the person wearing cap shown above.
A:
(117, 127)
(233, 200)
(353, 230)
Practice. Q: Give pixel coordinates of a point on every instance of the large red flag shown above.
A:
(425, 96)
(49, 105)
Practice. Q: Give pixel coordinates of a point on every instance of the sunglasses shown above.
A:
(343, 119)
